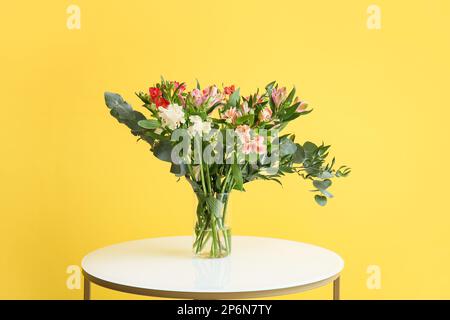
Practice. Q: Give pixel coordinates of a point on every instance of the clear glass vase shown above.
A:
(212, 235)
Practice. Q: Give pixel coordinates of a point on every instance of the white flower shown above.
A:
(198, 127)
(172, 116)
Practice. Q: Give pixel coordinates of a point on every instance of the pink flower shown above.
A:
(198, 97)
(278, 96)
(265, 114)
(302, 107)
(248, 147)
(176, 84)
(230, 115)
(256, 145)
(260, 147)
(243, 132)
(212, 95)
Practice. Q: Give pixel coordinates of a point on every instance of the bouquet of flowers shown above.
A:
(219, 141)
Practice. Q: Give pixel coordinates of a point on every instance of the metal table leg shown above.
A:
(87, 289)
(336, 288)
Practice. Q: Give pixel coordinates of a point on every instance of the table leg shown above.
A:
(336, 288)
(87, 289)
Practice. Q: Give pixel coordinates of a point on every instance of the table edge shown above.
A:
(208, 295)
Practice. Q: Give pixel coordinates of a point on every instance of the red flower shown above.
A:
(161, 102)
(229, 90)
(155, 93)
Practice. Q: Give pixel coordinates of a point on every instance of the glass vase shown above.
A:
(212, 235)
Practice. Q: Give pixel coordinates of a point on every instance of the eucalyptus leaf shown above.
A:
(178, 169)
(125, 114)
(162, 150)
(299, 155)
(121, 108)
(287, 147)
(322, 184)
(321, 200)
(309, 148)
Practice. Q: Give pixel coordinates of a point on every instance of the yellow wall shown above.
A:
(73, 179)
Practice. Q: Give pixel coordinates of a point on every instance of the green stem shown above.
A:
(226, 180)
(208, 179)
(203, 178)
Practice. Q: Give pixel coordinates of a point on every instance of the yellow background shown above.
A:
(73, 179)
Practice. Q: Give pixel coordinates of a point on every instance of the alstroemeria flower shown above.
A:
(228, 90)
(301, 107)
(278, 96)
(171, 116)
(155, 93)
(176, 84)
(212, 95)
(265, 114)
(161, 102)
(255, 145)
(230, 115)
(243, 132)
(197, 96)
(157, 98)
(260, 147)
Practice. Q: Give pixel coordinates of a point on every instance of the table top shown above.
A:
(165, 267)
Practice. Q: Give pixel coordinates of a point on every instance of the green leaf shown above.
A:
(287, 147)
(149, 124)
(248, 118)
(145, 98)
(269, 87)
(237, 175)
(162, 150)
(299, 155)
(309, 148)
(322, 185)
(321, 200)
(234, 98)
(295, 115)
(120, 107)
(178, 169)
(123, 112)
(290, 97)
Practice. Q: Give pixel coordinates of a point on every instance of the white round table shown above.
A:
(257, 267)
